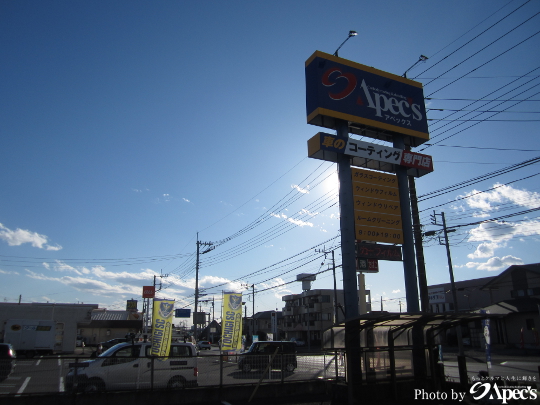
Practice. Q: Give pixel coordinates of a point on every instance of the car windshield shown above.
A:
(109, 352)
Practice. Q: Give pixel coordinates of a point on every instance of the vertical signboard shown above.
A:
(162, 317)
(231, 331)
(377, 212)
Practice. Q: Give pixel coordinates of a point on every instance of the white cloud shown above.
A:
(279, 288)
(292, 220)
(299, 222)
(20, 236)
(96, 287)
(396, 291)
(498, 232)
(490, 200)
(496, 263)
(299, 189)
(8, 272)
(124, 276)
(483, 250)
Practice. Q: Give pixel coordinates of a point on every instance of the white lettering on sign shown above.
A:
(380, 102)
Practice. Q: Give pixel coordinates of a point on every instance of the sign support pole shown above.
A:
(409, 264)
(348, 260)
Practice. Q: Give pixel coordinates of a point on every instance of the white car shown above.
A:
(128, 366)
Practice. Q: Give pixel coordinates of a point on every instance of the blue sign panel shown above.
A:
(337, 88)
(182, 313)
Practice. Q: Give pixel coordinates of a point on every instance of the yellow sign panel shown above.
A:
(231, 333)
(371, 219)
(377, 210)
(371, 177)
(374, 191)
(376, 205)
(379, 235)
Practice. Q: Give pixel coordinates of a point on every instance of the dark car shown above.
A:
(7, 355)
(259, 354)
(110, 343)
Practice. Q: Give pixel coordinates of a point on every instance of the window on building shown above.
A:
(325, 298)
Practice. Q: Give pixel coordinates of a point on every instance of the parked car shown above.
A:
(7, 355)
(260, 353)
(128, 366)
(204, 345)
(298, 342)
(110, 343)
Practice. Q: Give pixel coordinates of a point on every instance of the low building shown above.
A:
(69, 318)
(307, 315)
(105, 325)
(512, 299)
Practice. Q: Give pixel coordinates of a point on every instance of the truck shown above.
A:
(30, 337)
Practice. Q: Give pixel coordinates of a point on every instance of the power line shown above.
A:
(476, 37)
(483, 148)
(483, 99)
(489, 61)
(478, 179)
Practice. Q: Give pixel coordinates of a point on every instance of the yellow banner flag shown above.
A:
(162, 316)
(231, 331)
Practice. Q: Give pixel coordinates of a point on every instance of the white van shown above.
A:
(128, 366)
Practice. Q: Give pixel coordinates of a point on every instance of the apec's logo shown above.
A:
(487, 390)
(343, 84)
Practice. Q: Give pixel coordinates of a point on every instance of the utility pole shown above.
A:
(146, 302)
(325, 252)
(253, 314)
(462, 365)
(210, 247)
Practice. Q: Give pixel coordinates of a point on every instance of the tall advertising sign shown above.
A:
(231, 331)
(378, 102)
(162, 316)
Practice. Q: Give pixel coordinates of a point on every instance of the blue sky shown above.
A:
(129, 126)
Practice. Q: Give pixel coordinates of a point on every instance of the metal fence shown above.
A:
(62, 374)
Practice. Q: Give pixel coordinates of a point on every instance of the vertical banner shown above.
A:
(162, 316)
(231, 333)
